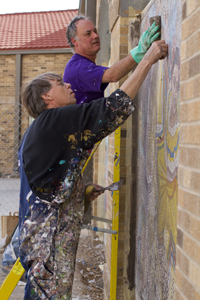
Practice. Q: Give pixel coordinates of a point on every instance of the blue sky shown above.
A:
(14, 6)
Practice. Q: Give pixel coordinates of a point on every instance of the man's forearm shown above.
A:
(124, 66)
(132, 85)
(119, 69)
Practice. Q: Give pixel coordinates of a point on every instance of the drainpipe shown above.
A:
(17, 118)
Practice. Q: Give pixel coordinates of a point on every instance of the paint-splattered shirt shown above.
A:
(55, 150)
(60, 139)
(85, 79)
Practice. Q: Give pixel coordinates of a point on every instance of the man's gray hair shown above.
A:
(71, 29)
(32, 93)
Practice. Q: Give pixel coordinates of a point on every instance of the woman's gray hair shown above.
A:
(32, 93)
(71, 29)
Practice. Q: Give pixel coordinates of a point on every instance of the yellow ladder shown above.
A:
(11, 280)
(115, 219)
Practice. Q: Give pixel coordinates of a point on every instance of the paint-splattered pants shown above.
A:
(49, 241)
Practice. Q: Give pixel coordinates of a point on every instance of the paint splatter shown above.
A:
(61, 162)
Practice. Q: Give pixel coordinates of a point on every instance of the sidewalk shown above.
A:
(88, 279)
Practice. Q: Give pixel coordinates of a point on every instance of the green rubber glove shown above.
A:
(147, 38)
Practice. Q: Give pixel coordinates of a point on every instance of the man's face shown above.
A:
(62, 93)
(87, 40)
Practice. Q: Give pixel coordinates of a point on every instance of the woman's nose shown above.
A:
(68, 85)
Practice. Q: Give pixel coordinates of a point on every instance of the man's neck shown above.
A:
(90, 57)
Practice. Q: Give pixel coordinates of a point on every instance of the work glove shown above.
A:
(147, 38)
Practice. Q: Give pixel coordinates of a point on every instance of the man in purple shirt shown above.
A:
(85, 78)
(88, 80)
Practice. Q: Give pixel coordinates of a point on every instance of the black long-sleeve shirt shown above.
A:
(60, 139)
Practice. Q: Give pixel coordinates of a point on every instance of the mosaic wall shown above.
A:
(158, 160)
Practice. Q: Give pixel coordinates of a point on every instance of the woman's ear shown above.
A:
(47, 97)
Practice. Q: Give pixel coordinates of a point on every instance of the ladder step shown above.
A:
(89, 227)
(101, 219)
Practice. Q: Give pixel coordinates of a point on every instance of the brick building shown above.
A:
(120, 23)
(30, 44)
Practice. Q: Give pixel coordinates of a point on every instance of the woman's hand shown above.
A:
(92, 191)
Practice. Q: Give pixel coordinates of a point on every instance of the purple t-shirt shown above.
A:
(85, 79)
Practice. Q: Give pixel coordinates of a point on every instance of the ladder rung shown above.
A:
(101, 219)
(89, 227)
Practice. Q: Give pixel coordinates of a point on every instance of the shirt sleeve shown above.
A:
(90, 77)
(108, 115)
(97, 119)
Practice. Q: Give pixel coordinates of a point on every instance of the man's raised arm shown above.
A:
(124, 66)
(158, 50)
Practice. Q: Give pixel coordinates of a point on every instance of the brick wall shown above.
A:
(188, 248)
(7, 78)
(188, 231)
(32, 65)
(36, 64)
(7, 99)
(119, 49)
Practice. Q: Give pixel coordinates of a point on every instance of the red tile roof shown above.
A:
(35, 30)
